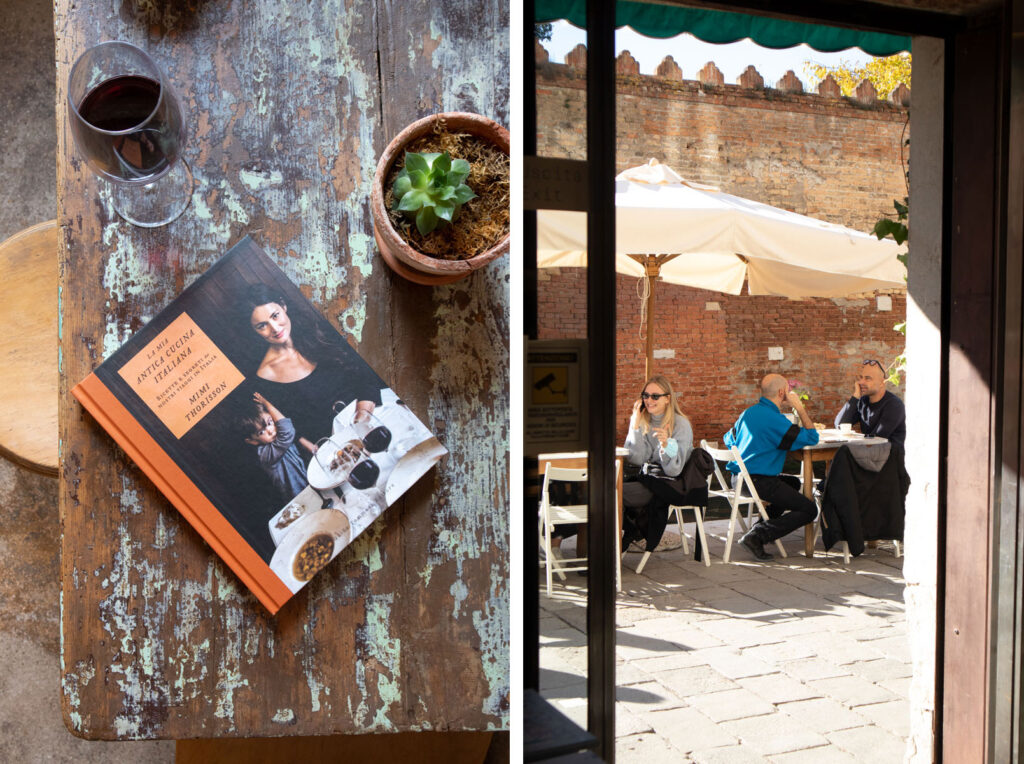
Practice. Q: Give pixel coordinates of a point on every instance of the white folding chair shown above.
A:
(557, 514)
(724, 485)
(698, 516)
(735, 496)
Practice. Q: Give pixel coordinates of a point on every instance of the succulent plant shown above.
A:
(430, 189)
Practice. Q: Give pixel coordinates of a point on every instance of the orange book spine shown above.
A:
(191, 502)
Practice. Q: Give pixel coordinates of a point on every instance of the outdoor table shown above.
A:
(288, 107)
(580, 460)
(830, 441)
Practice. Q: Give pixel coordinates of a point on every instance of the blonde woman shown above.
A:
(659, 441)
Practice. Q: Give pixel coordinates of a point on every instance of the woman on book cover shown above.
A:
(303, 370)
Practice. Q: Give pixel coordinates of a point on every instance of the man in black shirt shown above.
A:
(878, 412)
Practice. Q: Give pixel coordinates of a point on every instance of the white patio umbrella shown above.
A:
(696, 235)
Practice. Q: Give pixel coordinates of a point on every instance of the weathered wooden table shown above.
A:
(288, 107)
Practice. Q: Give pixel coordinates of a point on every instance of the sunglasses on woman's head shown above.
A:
(654, 396)
(869, 361)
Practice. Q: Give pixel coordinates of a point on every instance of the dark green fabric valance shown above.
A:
(655, 20)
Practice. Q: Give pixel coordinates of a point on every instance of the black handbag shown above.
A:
(694, 474)
(654, 469)
(632, 472)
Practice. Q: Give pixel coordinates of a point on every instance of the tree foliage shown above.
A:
(898, 368)
(542, 31)
(896, 228)
(899, 230)
(884, 73)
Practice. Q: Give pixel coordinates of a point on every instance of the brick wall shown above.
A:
(720, 343)
(816, 154)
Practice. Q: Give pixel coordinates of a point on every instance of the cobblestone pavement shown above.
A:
(793, 660)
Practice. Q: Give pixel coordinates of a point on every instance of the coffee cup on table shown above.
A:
(845, 428)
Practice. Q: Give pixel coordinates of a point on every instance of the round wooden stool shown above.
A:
(28, 348)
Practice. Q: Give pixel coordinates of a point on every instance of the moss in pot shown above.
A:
(479, 227)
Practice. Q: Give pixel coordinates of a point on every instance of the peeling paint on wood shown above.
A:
(288, 107)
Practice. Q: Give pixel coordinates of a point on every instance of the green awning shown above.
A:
(655, 20)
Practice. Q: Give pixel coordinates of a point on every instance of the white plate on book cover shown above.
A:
(412, 467)
(307, 501)
(330, 526)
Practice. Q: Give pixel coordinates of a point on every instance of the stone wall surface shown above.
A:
(817, 154)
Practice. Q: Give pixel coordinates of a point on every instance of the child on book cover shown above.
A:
(274, 437)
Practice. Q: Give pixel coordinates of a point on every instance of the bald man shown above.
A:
(875, 409)
(764, 436)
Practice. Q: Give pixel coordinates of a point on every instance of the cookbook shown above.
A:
(259, 423)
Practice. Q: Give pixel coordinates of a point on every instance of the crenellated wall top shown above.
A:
(710, 76)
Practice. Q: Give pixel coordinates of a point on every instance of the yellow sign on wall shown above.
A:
(550, 385)
(555, 407)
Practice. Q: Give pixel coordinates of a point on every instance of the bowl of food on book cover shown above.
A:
(311, 543)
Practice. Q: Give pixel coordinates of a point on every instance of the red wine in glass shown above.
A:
(364, 475)
(378, 439)
(128, 126)
(117, 105)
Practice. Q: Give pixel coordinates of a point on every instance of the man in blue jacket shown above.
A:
(764, 436)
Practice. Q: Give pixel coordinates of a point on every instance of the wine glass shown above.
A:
(405, 427)
(376, 437)
(365, 473)
(337, 424)
(128, 126)
(361, 507)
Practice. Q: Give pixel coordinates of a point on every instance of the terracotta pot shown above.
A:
(397, 253)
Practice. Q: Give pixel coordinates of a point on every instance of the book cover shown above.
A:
(259, 422)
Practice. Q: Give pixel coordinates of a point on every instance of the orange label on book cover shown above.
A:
(181, 375)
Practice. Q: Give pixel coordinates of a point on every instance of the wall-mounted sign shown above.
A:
(555, 387)
(554, 184)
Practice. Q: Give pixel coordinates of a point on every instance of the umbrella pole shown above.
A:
(653, 269)
(649, 367)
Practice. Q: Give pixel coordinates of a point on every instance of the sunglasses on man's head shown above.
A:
(654, 396)
(870, 361)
